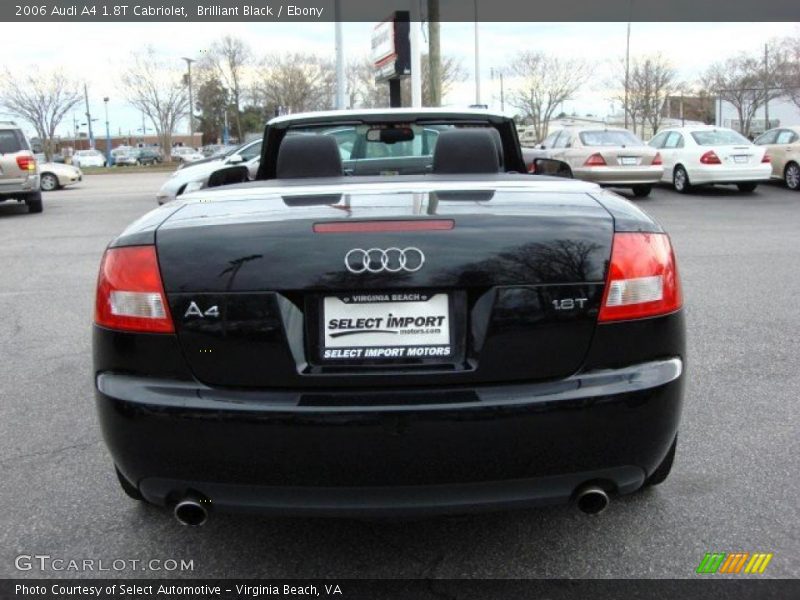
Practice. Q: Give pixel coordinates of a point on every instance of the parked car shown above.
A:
(195, 176)
(708, 155)
(185, 154)
(88, 158)
(19, 173)
(608, 156)
(138, 156)
(783, 147)
(53, 175)
(431, 330)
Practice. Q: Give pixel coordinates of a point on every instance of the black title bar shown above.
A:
(377, 10)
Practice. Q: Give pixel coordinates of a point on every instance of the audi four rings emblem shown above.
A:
(378, 260)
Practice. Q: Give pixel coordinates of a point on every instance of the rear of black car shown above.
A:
(374, 351)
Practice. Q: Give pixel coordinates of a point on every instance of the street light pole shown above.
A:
(477, 60)
(88, 115)
(189, 62)
(340, 79)
(108, 135)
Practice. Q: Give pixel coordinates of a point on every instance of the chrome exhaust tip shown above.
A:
(592, 500)
(190, 512)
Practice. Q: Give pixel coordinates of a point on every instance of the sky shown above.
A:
(94, 52)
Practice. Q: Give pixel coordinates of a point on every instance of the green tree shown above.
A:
(210, 102)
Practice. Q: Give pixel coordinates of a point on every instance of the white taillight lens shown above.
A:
(146, 305)
(635, 291)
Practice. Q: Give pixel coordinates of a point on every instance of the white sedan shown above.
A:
(185, 154)
(89, 158)
(706, 155)
(53, 175)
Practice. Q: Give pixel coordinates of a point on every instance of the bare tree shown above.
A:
(41, 98)
(545, 82)
(365, 93)
(156, 88)
(652, 79)
(789, 52)
(296, 82)
(743, 82)
(229, 57)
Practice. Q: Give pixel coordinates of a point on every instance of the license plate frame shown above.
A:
(316, 335)
(741, 159)
(628, 161)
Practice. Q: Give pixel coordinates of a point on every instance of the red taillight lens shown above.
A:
(766, 158)
(595, 160)
(642, 278)
(26, 162)
(710, 158)
(532, 167)
(657, 159)
(130, 295)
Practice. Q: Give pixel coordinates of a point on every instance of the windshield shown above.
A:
(719, 137)
(610, 137)
(363, 156)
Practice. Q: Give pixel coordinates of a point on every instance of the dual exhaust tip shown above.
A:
(192, 512)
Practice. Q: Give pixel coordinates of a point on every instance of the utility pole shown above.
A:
(416, 63)
(108, 135)
(502, 95)
(627, 70)
(340, 82)
(88, 116)
(189, 62)
(766, 87)
(477, 60)
(434, 53)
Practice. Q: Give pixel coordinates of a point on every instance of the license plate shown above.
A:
(741, 158)
(628, 160)
(390, 326)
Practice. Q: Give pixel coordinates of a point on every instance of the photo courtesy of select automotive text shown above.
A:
(399, 299)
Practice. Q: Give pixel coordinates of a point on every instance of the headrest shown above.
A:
(498, 141)
(308, 156)
(465, 151)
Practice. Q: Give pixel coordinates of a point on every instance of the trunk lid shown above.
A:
(495, 285)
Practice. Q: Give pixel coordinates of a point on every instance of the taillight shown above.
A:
(595, 160)
(657, 159)
(26, 162)
(766, 158)
(532, 167)
(130, 295)
(710, 158)
(642, 278)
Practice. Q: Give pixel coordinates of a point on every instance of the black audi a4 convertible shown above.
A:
(394, 318)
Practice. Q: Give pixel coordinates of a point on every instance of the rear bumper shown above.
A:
(386, 452)
(620, 176)
(723, 174)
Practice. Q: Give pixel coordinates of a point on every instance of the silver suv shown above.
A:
(19, 173)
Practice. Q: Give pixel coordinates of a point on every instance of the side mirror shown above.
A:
(549, 166)
(228, 176)
(235, 159)
(542, 147)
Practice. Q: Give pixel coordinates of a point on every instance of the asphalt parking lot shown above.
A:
(734, 486)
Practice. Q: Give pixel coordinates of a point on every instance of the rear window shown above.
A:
(719, 137)
(609, 138)
(11, 140)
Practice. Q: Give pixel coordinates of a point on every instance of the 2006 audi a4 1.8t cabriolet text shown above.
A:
(393, 318)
